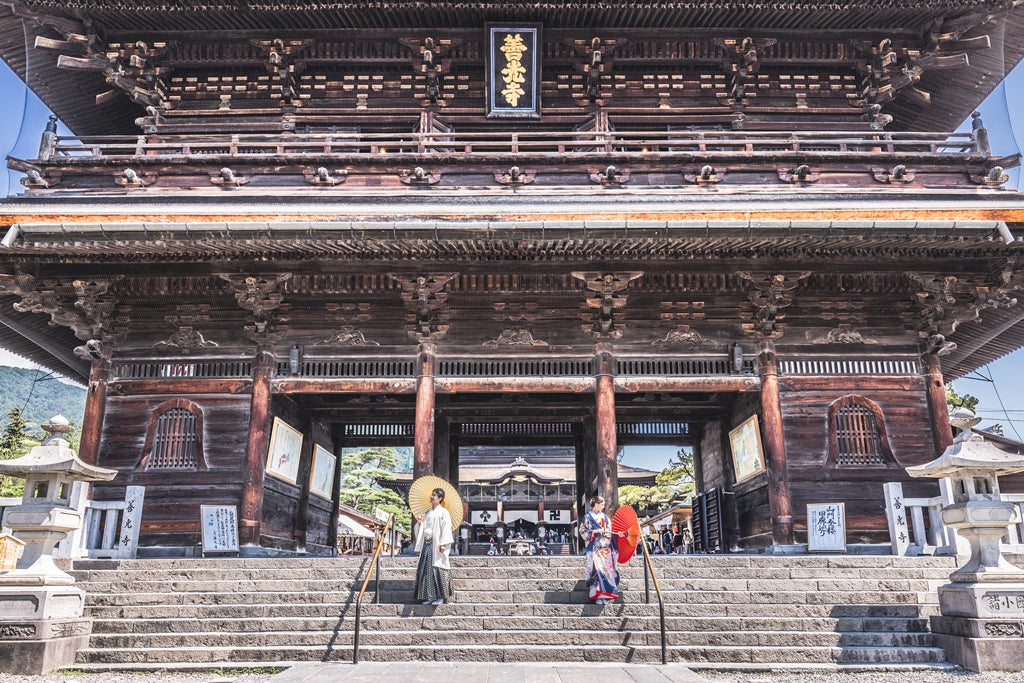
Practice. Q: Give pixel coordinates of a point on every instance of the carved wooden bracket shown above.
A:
(430, 58)
(515, 176)
(705, 175)
(594, 60)
(897, 174)
(769, 294)
(610, 175)
(742, 60)
(599, 312)
(425, 297)
(420, 176)
(322, 177)
(86, 307)
(801, 175)
(262, 295)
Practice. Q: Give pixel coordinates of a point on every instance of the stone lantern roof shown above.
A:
(976, 450)
(54, 456)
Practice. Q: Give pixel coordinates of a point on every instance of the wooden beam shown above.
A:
(686, 384)
(343, 385)
(142, 387)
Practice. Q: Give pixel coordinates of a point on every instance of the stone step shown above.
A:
(513, 623)
(516, 652)
(335, 609)
(414, 638)
(502, 596)
(517, 583)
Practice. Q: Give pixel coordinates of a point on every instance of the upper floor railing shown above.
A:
(521, 144)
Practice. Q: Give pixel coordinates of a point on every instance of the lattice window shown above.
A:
(174, 438)
(857, 434)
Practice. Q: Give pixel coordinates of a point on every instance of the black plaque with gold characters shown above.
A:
(513, 70)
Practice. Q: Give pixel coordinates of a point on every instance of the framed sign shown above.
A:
(285, 451)
(321, 474)
(513, 70)
(747, 453)
(220, 528)
(826, 527)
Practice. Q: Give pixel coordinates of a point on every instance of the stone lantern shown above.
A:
(982, 620)
(41, 624)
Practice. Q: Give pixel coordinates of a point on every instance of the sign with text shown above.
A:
(826, 527)
(220, 528)
(513, 70)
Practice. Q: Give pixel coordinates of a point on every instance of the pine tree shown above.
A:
(12, 445)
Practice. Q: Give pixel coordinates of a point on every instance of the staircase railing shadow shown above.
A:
(649, 575)
(374, 569)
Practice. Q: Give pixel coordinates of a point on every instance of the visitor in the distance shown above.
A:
(433, 542)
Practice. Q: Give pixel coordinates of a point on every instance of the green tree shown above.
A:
(14, 443)
(955, 399)
(673, 483)
(360, 472)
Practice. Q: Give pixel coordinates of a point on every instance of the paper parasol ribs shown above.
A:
(625, 520)
(419, 498)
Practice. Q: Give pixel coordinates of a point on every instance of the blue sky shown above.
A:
(999, 386)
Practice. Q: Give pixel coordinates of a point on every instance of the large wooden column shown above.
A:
(95, 408)
(423, 451)
(442, 449)
(779, 501)
(454, 435)
(301, 524)
(607, 465)
(942, 432)
(338, 436)
(584, 439)
(256, 448)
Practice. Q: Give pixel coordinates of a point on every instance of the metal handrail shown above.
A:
(375, 567)
(649, 567)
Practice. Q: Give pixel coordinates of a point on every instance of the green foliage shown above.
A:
(360, 472)
(674, 482)
(967, 401)
(39, 396)
(14, 443)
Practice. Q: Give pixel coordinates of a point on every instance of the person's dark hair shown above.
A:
(439, 493)
(595, 498)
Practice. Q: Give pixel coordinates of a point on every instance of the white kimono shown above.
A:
(439, 523)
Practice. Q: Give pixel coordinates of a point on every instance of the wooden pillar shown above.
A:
(606, 451)
(454, 435)
(301, 524)
(423, 451)
(779, 501)
(95, 408)
(698, 460)
(256, 449)
(540, 511)
(942, 432)
(585, 467)
(338, 437)
(442, 449)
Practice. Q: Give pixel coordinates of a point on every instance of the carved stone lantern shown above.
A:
(982, 619)
(41, 624)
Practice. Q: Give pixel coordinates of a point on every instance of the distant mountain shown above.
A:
(40, 397)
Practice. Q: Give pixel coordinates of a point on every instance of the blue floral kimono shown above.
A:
(602, 557)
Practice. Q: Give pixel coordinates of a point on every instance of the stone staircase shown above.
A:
(722, 612)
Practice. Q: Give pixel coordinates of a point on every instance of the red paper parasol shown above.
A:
(625, 520)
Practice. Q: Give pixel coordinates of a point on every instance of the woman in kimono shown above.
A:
(602, 554)
(433, 541)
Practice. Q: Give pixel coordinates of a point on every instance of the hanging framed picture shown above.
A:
(321, 474)
(747, 452)
(285, 451)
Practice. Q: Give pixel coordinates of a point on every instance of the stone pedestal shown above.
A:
(982, 625)
(41, 628)
(41, 622)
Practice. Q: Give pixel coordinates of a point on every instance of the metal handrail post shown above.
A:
(375, 567)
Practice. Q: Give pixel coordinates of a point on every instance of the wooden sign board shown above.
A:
(826, 527)
(220, 528)
(513, 70)
(10, 548)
